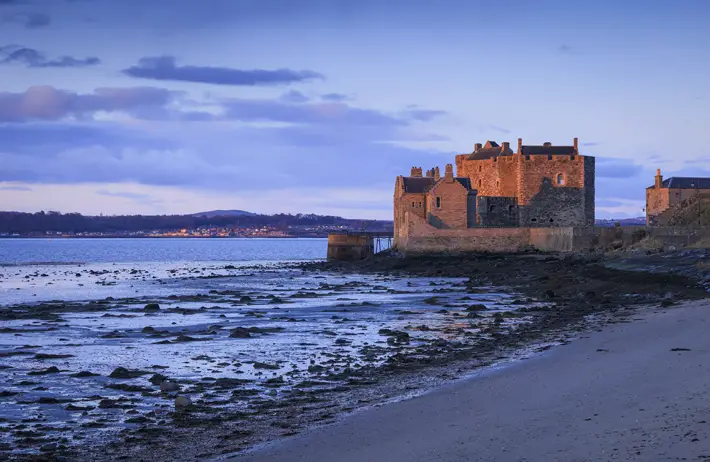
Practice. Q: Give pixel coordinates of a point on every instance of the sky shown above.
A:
(182, 106)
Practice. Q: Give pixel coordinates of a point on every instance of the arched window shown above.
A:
(561, 179)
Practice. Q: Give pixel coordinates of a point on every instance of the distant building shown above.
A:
(494, 186)
(666, 194)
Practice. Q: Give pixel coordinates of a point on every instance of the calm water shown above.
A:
(24, 251)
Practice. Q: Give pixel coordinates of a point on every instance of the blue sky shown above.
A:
(168, 106)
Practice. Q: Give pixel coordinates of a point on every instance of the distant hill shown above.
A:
(224, 213)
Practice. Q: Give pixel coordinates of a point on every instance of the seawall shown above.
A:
(419, 237)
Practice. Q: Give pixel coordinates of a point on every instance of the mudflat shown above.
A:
(635, 390)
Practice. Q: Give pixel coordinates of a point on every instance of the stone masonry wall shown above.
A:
(542, 200)
(452, 212)
(491, 177)
(657, 201)
(497, 211)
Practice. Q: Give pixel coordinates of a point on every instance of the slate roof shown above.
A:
(534, 150)
(420, 185)
(680, 182)
(488, 153)
(414, 184)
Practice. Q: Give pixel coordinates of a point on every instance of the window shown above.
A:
(480, 183)
(492, 208)
(552, 220)
(412, 204)
(480, 168)
(510, 209)
(497, 183)
(420, 204)
(561, 179)
(438, 202)
(534, 220)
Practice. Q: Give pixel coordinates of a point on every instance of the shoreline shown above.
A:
(578, 294)
(611, 394)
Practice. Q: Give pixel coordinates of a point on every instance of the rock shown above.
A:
(83, 374)
(240, 332)
(168, 386)
(245, 299)
(51, 356)
(476, 307)
(49, 370)
(157, 379)
(123, 373)
(151, 307)
(549, 294)
(50, 446)
(148, 330)
(182, 402)
(185, 338)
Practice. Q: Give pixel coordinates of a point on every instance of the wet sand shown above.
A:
(636, 390)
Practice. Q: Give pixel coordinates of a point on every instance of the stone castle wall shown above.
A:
(452, 208)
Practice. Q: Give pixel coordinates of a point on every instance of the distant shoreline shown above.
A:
(163, 237)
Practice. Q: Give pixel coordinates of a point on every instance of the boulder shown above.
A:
(182, 402)
(168, 386)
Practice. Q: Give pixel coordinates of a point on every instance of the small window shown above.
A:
(480, 183)
(492, 208)
(497, 183)
(561, 179)
(510, 208)
(412, 204)
(534, 220)
(480, 168)
(552, 220)
(438, 202)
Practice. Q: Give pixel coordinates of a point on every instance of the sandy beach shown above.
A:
(636, 390)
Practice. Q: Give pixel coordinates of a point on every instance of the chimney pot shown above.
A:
(437, 175)
(576, 148)
(547, 144)
(520, 145)
(659, 178)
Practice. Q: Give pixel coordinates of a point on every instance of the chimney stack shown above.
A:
(659, 178)
(506, 146)
(416, 172)
(477, 147)
(520, 145)
(576, 147)
(430, 173)
(437, 175)
(547, 144)
(449, 173)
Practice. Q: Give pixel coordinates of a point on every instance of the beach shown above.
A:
(195, 360)
(636, 390)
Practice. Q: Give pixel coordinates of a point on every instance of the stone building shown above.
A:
(666, 194)
(494, 186)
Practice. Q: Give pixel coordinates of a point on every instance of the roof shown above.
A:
(681, 182)
(417, 184)
(422, 184)
(488, 153)
(533, 150)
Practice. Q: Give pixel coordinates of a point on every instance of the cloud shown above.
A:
(499, 129)
(15, 188)
(124, 194)
(29, 20)
(336, 97)
(165, 68)
(424, 115)
(49, 103)
(11, 54)
(607, 167)
(294, 96)
(591, 143)
(565, 49)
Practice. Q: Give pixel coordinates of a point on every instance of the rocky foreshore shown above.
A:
(258, 355)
